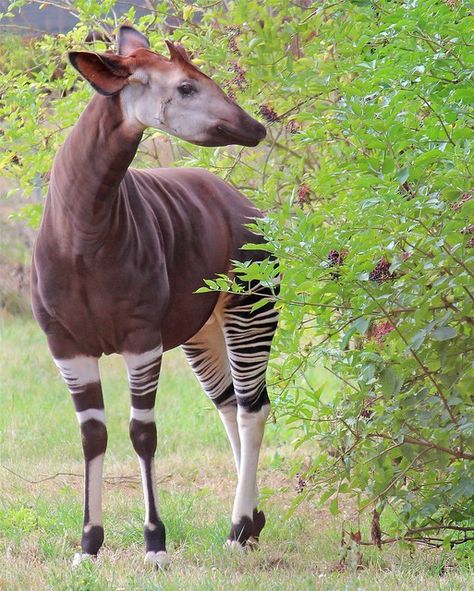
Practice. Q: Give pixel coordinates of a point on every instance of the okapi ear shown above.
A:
(129, 40)
(106, 73)
(177, 52)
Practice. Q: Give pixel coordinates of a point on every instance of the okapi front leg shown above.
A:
(143, 374)
(81, 375)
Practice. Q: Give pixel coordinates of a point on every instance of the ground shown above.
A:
(41, 489)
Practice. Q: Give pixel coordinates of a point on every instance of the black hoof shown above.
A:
(258, 523)
(92, 539)
(247, 531)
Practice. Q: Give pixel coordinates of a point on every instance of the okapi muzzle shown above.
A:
(118, 260)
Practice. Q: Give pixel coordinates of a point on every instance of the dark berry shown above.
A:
(367, 411)
(233, 45)
(381, 272)
(377, 331)
(301, 483)
(336, 258)
(239, 81)
(268, 113)
(303, 193)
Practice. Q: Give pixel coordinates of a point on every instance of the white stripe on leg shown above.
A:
(95, 471)
(146, 495)
(251, 427)
(78, 372)
(228, 415)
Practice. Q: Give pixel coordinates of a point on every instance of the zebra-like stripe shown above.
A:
(249, 336)
(215, 378)
(78, 372)
(143, 370)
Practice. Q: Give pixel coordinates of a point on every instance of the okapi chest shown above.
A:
(120, 255)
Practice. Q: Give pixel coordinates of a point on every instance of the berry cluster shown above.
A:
(301, 483)
(303, 194)
(234, 32)
(238, 82)
(381, 272)
(268, 113)
(336, 258)
(239, 79)
(378, 331)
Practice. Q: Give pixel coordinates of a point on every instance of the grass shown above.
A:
(41, 491)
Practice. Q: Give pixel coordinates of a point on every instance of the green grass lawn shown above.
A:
(41, 490)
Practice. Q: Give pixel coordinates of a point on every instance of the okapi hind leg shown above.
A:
(207, 355)
(143, 373)
(248, 336)
(81, 375)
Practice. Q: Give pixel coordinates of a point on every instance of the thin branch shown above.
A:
(461, 455)
(438, 117)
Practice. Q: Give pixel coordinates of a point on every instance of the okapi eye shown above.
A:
(186, 89)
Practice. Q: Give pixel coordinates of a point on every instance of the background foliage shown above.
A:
(366, 179)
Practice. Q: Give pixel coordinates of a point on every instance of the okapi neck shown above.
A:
(88, 170)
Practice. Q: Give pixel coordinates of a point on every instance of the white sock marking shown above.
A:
(228, 415)
(251, 427)
(95, 468)
(145, 490)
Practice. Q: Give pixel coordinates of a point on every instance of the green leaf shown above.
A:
(445, 333)
(391, 382)
(403, 174)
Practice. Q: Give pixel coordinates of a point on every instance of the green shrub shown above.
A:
(367, 183)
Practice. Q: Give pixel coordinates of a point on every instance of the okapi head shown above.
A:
(168, 94)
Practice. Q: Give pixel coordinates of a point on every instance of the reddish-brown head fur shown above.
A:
(169, 94)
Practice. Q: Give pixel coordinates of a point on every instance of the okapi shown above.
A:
(120, 254)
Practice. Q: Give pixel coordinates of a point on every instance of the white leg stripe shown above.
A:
(146, 415)
(140, 360)
(78, 372)
(251, 427)
(95, 468)
(97, 414)
(145, 489)
(228, 415)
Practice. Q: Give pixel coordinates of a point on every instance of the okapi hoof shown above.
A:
(246, 532)
(258, 523)
(158, 559)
